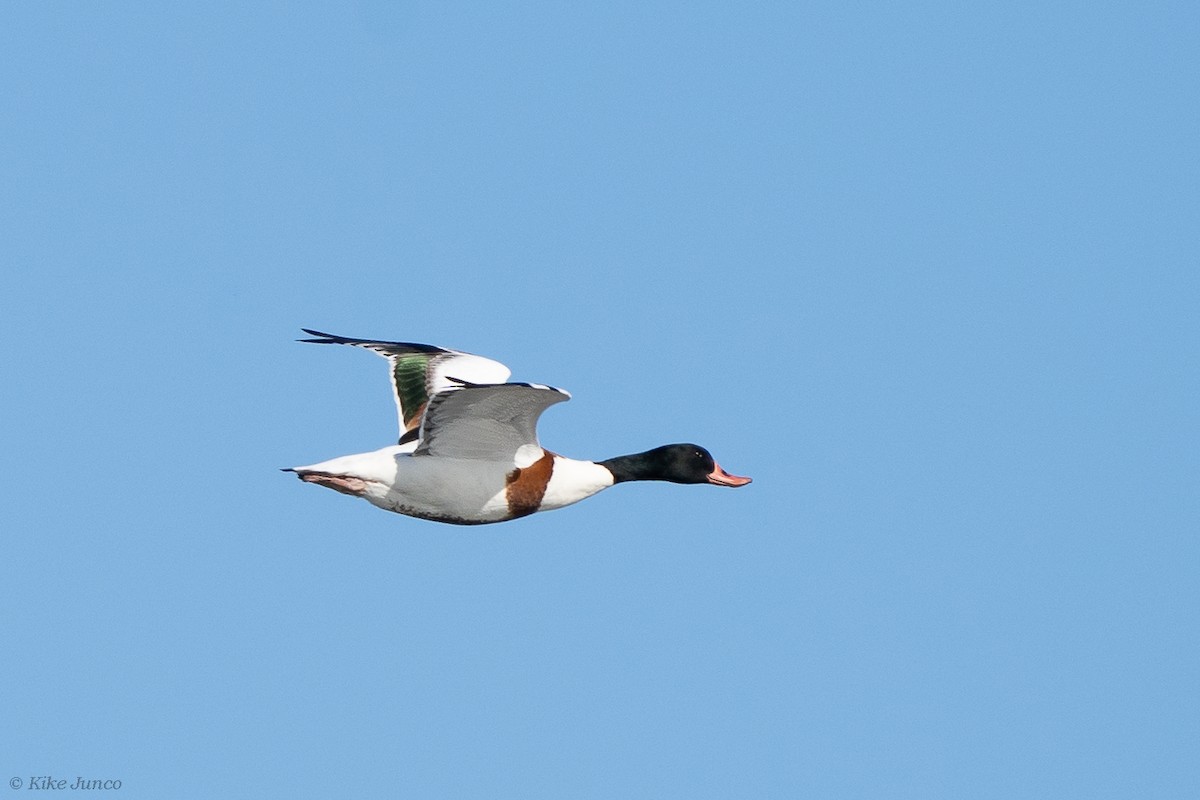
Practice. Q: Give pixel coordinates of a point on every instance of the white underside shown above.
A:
(460, 490)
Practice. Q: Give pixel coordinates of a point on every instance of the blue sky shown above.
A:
(927, 272)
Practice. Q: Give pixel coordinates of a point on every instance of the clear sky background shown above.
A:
(927, 271)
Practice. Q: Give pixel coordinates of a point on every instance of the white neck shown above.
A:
(572, 481)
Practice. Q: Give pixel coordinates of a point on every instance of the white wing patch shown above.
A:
(464, 367)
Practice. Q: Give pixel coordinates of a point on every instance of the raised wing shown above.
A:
(491, 422)
(421, 371)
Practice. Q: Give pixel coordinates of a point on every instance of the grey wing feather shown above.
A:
(485, 421)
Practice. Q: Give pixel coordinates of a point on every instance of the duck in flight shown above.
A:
(468, 452)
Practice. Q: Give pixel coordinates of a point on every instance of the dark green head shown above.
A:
(676, 463)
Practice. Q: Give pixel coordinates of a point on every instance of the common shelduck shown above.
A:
(468, 452)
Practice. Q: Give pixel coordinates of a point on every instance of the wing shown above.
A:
(489, 422)
(420, 371)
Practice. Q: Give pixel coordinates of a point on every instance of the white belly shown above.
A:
(462, 491)
(468, 491)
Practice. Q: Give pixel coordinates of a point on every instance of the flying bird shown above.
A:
(468, 451)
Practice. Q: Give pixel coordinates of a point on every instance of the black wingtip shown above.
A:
(378, 345)
(323, 338)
